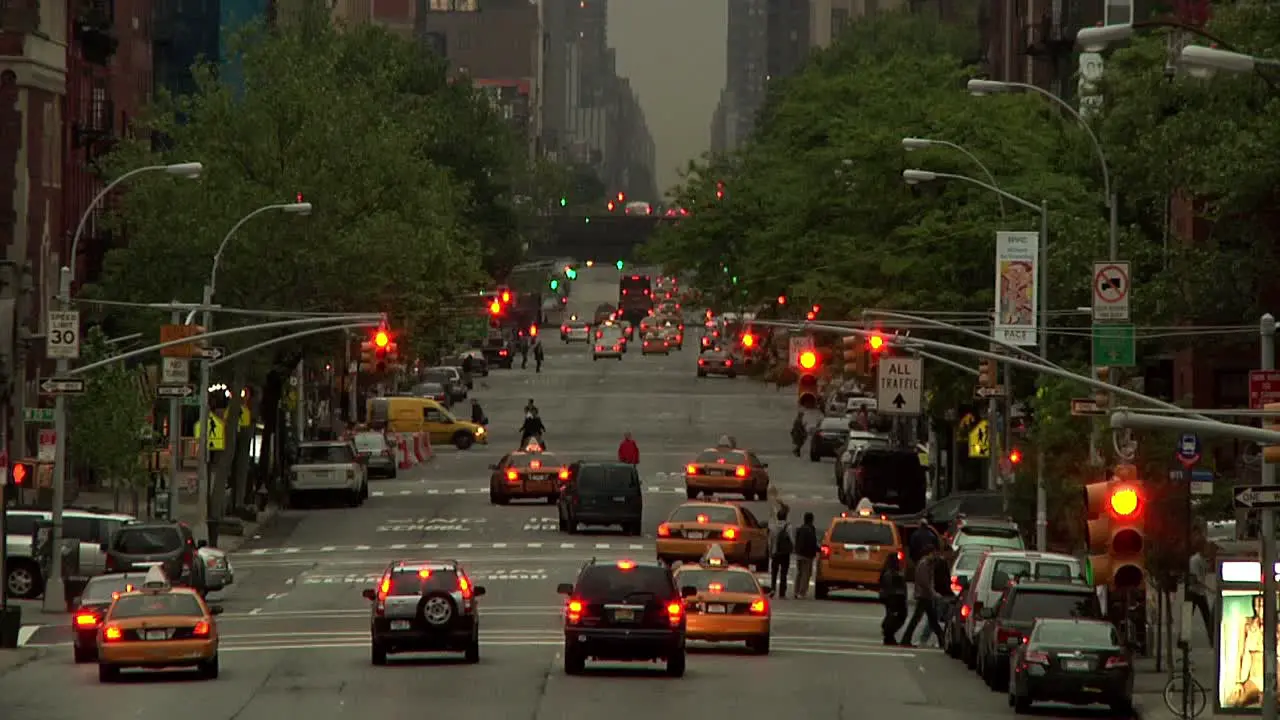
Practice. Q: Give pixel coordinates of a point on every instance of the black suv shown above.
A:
(171, 545)
(424, 606)
(1009, 623)
(604, 493)
(892, 478)
(624, 611)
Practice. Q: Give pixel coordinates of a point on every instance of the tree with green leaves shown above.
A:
(110, 419)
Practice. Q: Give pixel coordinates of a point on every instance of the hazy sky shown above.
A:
(674, 53)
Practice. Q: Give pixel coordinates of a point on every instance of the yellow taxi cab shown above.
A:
(727, 469)
(854, 550)
(729, 606)
(694, 527)
(158, 626)
(424, 415)
(528, 473)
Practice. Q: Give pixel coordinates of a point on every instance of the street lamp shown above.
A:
(54, 590)
(915, 143)
(912, 176)
(202, 390)
(990, 87)
(1199, 57)
(1097, 39)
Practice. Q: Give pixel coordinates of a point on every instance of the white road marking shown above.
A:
(335, 549)
(25, 632)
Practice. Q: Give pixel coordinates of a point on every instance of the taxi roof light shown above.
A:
(714, 557)
(865, 508)
(626, 564)
(155, 579)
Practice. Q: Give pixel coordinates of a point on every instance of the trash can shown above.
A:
(10, 624)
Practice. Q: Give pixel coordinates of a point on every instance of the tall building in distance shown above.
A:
(591, 117)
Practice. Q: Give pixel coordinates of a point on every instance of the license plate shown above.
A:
(619, 498)
(722, 473)
(1076, 665)
(716, 609)
(540, 478)
(695, 535)
(155, 634)
(624, 615)
(399, 624)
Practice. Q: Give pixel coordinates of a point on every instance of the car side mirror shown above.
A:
(202, 543)
(215, 610)
(564, 589)
(368, 594)
(478, 590)
(688, 591)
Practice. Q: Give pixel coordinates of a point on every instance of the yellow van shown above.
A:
(415, 414)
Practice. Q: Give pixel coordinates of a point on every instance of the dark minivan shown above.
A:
(171, 545)
(892, 479)
(600, 493)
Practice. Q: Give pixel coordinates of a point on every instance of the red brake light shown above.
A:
(1004, 635)
(513, 475)
(965, 611)
(901, 558)
(86, 620)
(741, 471)
(1042, 658)
(760, 607)
(626, 565)
(826, 551)
(464, 586)
(730, 533)
(573, 611)
(535, 464)
(112, 633)
(384, 587)
(675, 611)
(955, 585)
(703, 519)
(564, 474)
(564, 328)
(664, 530)
(202, 629)
(1112, 662)
(702, 362)
(715, 587)
(691, 469)
(728, 363)
(111, 564)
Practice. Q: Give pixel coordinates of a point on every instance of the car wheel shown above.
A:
(574, 660)
(675, 664)
(208, 669)
(84, 654)
(463, 440)
(377, 654)
(437, 609)
(821, 590)
(759, 645)
(108, 673)
(473, 649)
(24, 580)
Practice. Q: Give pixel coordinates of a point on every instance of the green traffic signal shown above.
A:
(619, 264)
(555, 284)
(571, 274)
(564, 202)
(735, 279)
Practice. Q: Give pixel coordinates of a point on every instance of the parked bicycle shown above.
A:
(1185, 697)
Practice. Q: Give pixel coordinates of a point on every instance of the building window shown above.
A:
(1119, 12)
(453, 5)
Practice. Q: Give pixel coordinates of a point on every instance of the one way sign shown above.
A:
(899, 385)
(1253, 497)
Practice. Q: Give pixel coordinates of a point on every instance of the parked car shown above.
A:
(379, 458)
(91, 526)
(328, 466)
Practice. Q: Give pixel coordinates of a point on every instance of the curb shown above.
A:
(264, 521)
(31, 655)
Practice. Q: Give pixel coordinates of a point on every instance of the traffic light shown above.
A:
(619, 264)
(1271, 453)
(1102, 398)
(570, 273)
(555, 284)
(533, 331)
(368, 354)
(382, 340)
(495, 308)
(622, 197)
(719, 190)
(748, 340)
(378, 350)
(1015, 458)
(986, 373)
(855, 355)
(807, 389)
(875, 343)
(782, 299)
(611, 206)
(1116, 515)
(506, 297)
(564, 202)
(21, 475)
(808, 360)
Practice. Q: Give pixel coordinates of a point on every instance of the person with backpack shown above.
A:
(893, 593)
(806, 553)
(780, 548)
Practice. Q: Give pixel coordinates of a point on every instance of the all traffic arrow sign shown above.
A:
(212, 353)
(1257, 496)
(62, 386)
(175, 391)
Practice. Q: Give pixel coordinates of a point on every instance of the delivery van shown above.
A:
(417, 414)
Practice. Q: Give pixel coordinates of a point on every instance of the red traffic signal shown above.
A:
(808, 360)
(782, 299)
(20, 473)
(748, 340)
(1015, 457)
(495, 308)
(381, 339)
(533, 330)
(506, 297)
(1125, 502)
(811, 315)
(875, 343)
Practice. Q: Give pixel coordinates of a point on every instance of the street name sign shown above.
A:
(212, 353)
(62, 386)
(988, 392)
(1082, 407)
(1113, 346)
(1111, 292)
(899, 386)
(1264, 387)
(37, 415)
(1253, 497)
(63, 339)
(175, 391)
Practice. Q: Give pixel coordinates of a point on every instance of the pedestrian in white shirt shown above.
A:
(1197, 585)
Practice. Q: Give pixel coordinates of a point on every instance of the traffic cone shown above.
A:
(406, 460)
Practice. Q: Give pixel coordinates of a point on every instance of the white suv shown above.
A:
(23, 576)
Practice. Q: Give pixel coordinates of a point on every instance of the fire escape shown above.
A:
(90, 118)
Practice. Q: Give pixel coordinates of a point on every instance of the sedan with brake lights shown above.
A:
(694, 527)
(92, 605)
(722, 470)
(854, 550)
(729, 606)
(655, 344)
(716, 362)
(575, 330)
(158, 626)
(527, 474)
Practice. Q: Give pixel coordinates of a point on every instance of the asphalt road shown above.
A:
(295, 629)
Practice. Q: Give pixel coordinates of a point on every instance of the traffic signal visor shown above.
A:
(808, 392)
(808, 360)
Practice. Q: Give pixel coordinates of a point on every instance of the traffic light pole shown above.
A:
(205, 529)
(175, 441)
(1267, 333)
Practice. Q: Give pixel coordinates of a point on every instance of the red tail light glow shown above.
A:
(730, 534)
(664, 530)
(702, 362)
(691, 469)
(512, 475)
(564, 474)
(112, 633)
(703, 519)
(965, 611)
(111, 563)
(728, 363)
(464, 586)
(86, 620)
(826, 551)
(573, 611)
(384, 587)
(715, 587)
(901, 558)
(1004, 635)
(955, 585)
(760, 607)
(202, 629)
(740, 471)
(675, 611)
(1114, 661)
(626, 565)
(535, 464)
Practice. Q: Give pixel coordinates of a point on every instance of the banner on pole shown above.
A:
(1017, 289)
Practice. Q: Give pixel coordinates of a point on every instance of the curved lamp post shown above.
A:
(915, 143)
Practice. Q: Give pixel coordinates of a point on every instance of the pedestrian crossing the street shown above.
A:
(654, 489)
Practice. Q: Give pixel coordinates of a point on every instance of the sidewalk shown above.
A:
(1148, 685)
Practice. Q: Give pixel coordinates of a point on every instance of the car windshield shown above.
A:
(1055, 571)
(705, 513)
(1076, 634)
(829, 424)
(1033, 604)
(607, 480)
(605, 583)
(370, 442)
(987, 541)
(324, 454)
(862, 532)
(968, 561)
(721, 457)
(100, 589)
(410, 581)
(718, 581)
(999, 531)
(138, 606)
(147, 540)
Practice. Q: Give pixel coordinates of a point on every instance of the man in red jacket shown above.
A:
(628, 451)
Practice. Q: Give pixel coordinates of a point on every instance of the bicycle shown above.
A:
(1185, 697)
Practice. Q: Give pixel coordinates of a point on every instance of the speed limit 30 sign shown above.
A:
(63, 341)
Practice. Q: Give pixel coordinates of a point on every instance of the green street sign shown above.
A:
(191, 402)
(37, 415)
(1113, 346)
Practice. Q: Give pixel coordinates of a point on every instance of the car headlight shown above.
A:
(480, 430)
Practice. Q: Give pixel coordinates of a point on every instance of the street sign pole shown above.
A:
(54, 589)
(1042, 502)
(175, 441)
(1267, 332)
(205, 531)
